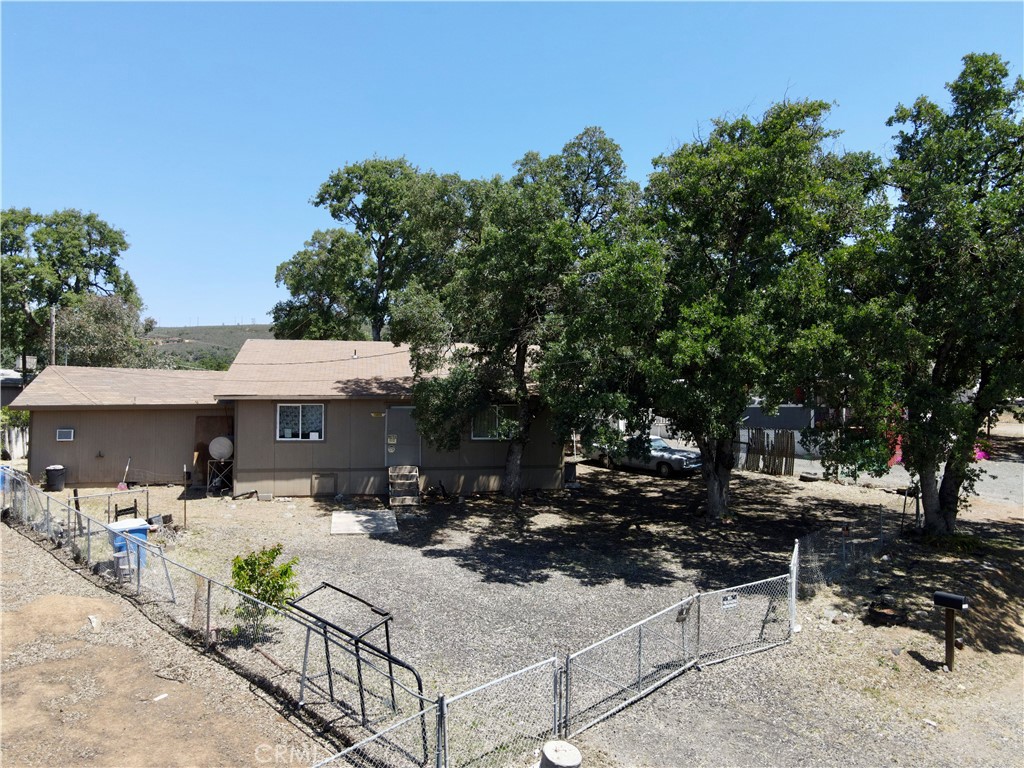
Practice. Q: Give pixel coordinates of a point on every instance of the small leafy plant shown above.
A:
(258, 574)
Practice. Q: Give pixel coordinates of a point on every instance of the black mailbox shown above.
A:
(949, 600)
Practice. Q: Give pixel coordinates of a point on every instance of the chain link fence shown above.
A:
(703, 629)
(826, 554)
(624, 667)
(740, 620)
(504, 722)
(297, 660)
(413, 742)
(112, 504)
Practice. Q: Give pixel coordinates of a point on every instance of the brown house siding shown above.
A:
(351, 457)
(158, 440)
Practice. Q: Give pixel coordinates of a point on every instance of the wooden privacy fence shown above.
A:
(770, 451)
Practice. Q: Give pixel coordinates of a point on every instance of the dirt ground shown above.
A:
(88, 691)
(87, 680)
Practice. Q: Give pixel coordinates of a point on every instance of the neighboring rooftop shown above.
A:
(60, 386)
(277, 369)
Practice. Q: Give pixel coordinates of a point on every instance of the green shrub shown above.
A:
(257, 574)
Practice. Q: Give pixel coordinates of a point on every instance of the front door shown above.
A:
(401, 440)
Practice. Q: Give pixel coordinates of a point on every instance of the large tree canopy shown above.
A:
(483, 338)
(330, 292)
(929, 331)
(102, 331)
(48, 261)
(738, 211)
(400, 222)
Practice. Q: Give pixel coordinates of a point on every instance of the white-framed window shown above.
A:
(493, 423)
(300, 421)
(65, 434)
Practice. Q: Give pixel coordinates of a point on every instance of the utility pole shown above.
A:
(53, 335)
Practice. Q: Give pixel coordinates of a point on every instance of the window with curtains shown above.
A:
(304, 421)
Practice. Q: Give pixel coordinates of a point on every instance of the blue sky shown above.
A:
(202, 130)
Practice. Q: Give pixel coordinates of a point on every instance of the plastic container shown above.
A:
(136, 527)
(55, 475)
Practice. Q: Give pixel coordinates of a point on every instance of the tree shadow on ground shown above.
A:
(1006, 448)
(642, 530)
(982, 562)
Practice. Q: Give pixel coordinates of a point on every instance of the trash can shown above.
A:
(55, 474)
(570, 472)
(136, 527)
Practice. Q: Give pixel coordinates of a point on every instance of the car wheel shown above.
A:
(664, 470)
(606, 461)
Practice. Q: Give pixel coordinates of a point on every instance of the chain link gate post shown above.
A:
(794, 578)
(209, 601)
(697, 649)
(441, 758)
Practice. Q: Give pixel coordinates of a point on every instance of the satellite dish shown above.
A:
(221, 448)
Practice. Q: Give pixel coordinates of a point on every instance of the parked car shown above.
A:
(664, 459)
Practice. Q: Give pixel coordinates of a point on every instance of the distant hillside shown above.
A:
(205, 346)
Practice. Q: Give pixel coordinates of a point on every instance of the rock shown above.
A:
(95, 622)
(897, 651)
(831, 613)
(888, 600)
(959, 643)
(921, 615)
(885, 558)
(840, 619)
(560, 754)
(932, 723)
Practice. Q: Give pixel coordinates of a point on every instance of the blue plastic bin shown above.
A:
(136, 527)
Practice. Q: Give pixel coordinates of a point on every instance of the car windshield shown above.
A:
(657, 444)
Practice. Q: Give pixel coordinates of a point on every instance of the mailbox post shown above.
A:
(952, 603)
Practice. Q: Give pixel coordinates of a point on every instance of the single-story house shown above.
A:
(306, 418)
(93, 420)
(326, 417)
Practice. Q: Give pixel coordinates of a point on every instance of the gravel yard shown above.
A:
(480, 589)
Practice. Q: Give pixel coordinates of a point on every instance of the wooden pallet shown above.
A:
(404, 486)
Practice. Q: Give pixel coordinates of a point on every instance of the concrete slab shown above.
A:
(363, 522)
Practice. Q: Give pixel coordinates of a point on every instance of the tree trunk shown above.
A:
(717, 463)
(512, 482)
(949, 500)
(930, 499)
(960, 457)
(376, 328)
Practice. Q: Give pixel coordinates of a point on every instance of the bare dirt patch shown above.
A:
(88, 681)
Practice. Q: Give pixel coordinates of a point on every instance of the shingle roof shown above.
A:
(280, 369)
(60, 386)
